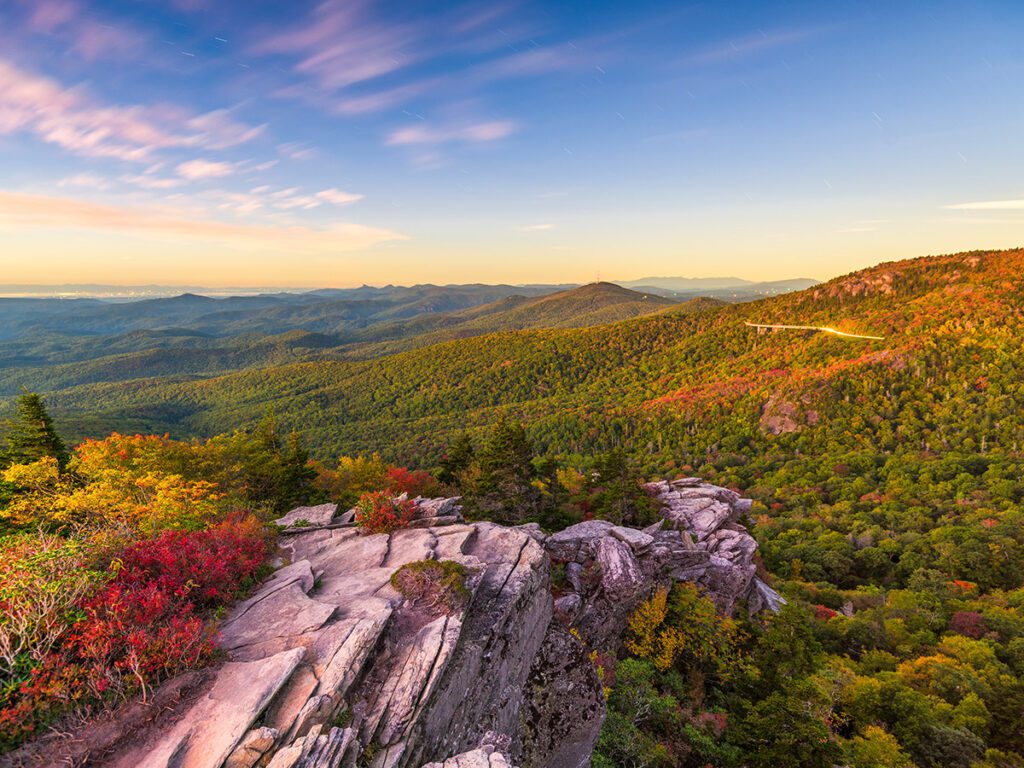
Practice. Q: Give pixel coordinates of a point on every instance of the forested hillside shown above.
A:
(58, 344)
(672, 386)
(888, 479)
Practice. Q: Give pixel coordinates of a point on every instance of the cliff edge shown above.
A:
(329, 665)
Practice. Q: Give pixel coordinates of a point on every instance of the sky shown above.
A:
(342, 142)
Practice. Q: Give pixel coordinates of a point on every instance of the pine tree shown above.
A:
(297, 475)
(506, 472)
(457, 458)
(31, 435)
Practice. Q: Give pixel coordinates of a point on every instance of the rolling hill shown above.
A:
(51, 361)
(673, 386)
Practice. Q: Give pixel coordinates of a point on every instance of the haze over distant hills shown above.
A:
(734, 288)
(373, 372)
(686, 285)
(50, 344)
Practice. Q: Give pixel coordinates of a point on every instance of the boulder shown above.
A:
(578, 542)
(621, 575)
(302, 517)
(478, 758)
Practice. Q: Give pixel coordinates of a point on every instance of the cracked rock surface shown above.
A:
(328, 666)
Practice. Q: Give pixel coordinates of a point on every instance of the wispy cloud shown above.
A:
(82, 32)
(351, 61)
(71, 119)
(46, 212)
(988, 205)
(751, 45)
(341, 45)
(196, 170)
(473, 133)
(87, 180)
(538, 227)
(337, 197)
(296, 150)
(148, 181)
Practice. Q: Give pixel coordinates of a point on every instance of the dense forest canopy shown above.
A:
(888, 480)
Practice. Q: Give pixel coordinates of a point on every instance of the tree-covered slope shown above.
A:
(675, 385)
(49, 360)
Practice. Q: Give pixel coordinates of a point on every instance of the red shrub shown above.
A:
(412, 482)
(379, 512)
(821, 613)
(141, 627)
(969, 624)
(208, 566)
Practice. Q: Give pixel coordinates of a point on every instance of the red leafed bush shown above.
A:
(207, 566)
(969, 624)
(144, 625)
(380, 512)
(414, 482)
(821, 613)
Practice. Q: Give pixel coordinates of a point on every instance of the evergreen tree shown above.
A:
(31, 435)
(457, 458)
(619, 496)
(506, 471)
(297, 475)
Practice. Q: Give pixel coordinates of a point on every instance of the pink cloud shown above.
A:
(196, 170)
(49, 15)
(151, 182)
(82, 32)
(341, 46)
(472, 133)
(74, 121)
(337, 197)
(48, 213)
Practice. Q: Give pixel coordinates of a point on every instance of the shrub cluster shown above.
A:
(380, 512)
(144, 623)
(438, 585)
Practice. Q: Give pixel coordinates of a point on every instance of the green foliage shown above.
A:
(436, 585)
(786, 730)
(31, 435)
(504, 490)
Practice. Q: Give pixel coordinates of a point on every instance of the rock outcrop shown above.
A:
(329, 665)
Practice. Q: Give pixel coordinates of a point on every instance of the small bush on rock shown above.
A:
(380, 512)
(435, 584)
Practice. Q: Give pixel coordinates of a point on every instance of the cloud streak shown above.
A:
(988, 205)
(81, 32)
(751, 45)
(25, 211)
(198, 170)
(473, 133)
(77, 123)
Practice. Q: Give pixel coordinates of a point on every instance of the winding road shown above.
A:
(822, 328)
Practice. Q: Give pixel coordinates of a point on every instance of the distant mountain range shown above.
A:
(733, 288)
(687, 285)
(383, 372)
(51, 344)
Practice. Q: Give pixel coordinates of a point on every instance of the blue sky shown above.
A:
(335, 143)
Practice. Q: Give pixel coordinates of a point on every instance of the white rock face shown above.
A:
(478, 758)
(328, 665)
(308, 516)
(710, 515)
